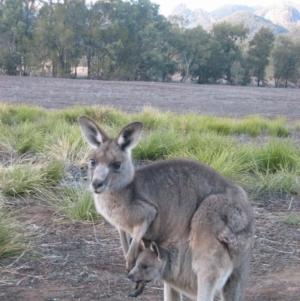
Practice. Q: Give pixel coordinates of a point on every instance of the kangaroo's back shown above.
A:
(176, 187)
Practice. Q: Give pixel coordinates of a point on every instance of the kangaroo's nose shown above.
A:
(129, 276)
(96, 184)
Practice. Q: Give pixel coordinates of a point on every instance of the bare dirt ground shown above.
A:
(133, 96)
(83, 261)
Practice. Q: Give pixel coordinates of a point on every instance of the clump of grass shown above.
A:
(74, 201)
(279, 128)
(21, 138)
(276, 155)
(11, 241)
(297, 126)
(252, 125)
(53, 172)
(158, 145)
(70, 116)
(255, 125)
(220, 152)
(66, 144)
(291, 219)
(188, 123)
(222, 126)
(12, 115)
(26, 177)
(153, 119)
(20, 179)
(107, 115)
(280, 182)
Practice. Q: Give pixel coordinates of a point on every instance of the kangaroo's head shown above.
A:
(110, 166)
(149, 265)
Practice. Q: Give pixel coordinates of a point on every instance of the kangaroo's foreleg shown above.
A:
(170, 294)
(124, 241)
(137, 235)
(143, 220)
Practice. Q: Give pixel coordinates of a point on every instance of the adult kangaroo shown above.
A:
(163, 201)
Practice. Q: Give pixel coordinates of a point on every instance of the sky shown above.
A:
(166, 6)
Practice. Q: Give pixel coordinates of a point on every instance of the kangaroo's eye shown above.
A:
(143, 266)
(92, 162)
(116, 165)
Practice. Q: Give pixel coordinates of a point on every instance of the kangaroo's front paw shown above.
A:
(130, 263)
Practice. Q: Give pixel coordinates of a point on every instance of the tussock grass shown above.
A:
(291, 219)
(153, 119)
(105, 115)
(11, 241)
(282, 181)
(12, 115)
(66, 144)
(297, 126)
(158, 145)
(269, 165)
(21, 138)
(252, 125)
(255, 125)
(188, 123)
(25, 177)
(73, 201)
(221, 153)
(276, 155)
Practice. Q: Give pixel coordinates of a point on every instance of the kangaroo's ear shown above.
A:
(92, 133)
(157, 250)
(130, 135)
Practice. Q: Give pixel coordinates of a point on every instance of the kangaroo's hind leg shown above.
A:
(234, 288)
(211, 263)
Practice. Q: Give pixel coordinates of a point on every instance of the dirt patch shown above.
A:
(133, 96)
(84, 261)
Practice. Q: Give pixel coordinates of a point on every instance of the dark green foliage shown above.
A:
(286, 57)
(130, 40)
(259, 51)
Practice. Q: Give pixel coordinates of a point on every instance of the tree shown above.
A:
(259, 51)
(168, 48)
(226, 50)
(192, 50)
(17, 19)
(237, 73)
(59, 35)
(286, 61)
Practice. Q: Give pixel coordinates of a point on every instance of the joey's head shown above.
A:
(110, 166)
(150, 264)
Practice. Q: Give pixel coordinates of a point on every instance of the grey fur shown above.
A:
(170, 202)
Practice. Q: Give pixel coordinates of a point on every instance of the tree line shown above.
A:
(130, 40)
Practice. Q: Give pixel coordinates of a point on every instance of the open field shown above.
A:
(68, 259)
(133, 96)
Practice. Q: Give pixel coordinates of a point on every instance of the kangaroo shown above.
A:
(168, 202)
(173, 265)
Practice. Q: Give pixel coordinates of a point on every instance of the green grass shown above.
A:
(277, 155)
(158, 145)
(52, 140)
(291, 219)
(21, 138)
(66, 144)
(25, 177)
(269, 164)
(11, 240)
(274, 183)
(13, 115)
(75, 202)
